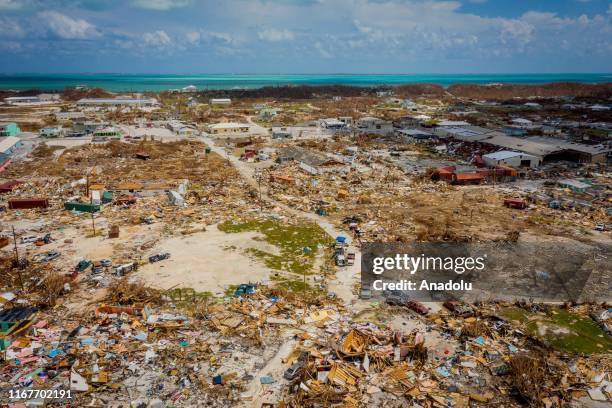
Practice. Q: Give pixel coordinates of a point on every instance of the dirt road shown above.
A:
(346, 277)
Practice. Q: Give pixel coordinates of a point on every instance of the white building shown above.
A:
(220, 101)
(46, 97)
(68, 115)
(32, 100)
(180, 128)
(509, 158)
(332, 124)
(452, 123)
(118, 101)
(220, 128)
(522, 123)
(189, 88)
(371, 124)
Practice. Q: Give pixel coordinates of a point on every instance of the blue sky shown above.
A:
(305, 36)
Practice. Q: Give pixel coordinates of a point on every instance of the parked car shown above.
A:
(340, 260)
(293, 371)
(159, 257)
(107, 263)
(29, 239)
(82, 265)
(600, 226)
(396, 300)
(51, 255)
(417, 307)
(121, 270)
(245, 289)
(459, 308)
(350, 258)
(365, 293)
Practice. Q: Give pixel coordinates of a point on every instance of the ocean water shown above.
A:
(134, 82)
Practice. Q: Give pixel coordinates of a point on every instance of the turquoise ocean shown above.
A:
(151, 82)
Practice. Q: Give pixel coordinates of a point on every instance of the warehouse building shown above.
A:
(118, 101)
(509, 158)
(221, 128)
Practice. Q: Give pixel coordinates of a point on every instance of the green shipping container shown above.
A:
(83, 207)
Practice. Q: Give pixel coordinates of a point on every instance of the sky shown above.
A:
(306, 36)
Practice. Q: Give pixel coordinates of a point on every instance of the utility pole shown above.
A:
(93, 224)
(259, 188)
(15, 243)
(17, 259)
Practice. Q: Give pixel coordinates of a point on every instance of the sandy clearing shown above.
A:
(207, 261)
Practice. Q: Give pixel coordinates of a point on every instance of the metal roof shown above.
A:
(16, 314)
(504, 154)
(8, 142)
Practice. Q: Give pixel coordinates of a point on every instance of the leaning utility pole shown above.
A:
(15, 243)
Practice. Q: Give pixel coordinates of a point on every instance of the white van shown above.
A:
(29, 239)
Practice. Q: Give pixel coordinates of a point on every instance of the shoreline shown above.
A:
(496, 91)
(246, 82)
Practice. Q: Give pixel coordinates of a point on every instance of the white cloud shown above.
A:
(193, 37)
(67, 27)
(275, 35)
(157, 38)
(516, 30)
(161, 5)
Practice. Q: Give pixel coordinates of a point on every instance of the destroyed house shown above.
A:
(281, 132)
(15, 322)
(310, 161)
(8, 186)
(142, 189)
(414, 134)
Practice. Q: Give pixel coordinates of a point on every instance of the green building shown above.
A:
(9, 129)
(107, 133)
(56, 131)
